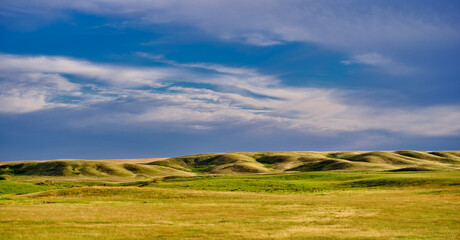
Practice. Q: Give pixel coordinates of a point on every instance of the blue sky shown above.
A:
(98, 79)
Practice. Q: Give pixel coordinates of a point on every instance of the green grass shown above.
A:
(276, 183)
(310, 182)
(8, 187)
(425, 208)
(275, 195)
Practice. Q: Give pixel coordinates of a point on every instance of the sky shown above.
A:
(99, 79)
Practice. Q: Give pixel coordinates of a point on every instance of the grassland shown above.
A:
(215, 196)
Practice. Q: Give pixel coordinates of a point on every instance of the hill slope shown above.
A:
(266, 162)
(90, 168)
(242, 163)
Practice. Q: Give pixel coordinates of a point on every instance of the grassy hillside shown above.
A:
(234, 164)
(86, 169)
(276, 162)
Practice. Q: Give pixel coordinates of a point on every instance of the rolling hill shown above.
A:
(87, 168)
(240, 163)
(273, 162)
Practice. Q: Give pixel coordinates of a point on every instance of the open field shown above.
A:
(92, 201)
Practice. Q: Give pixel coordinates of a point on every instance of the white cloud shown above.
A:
(21, 101)
(368, 58)
(353, 25)
(50, 81)
(121, 75)
(378, 60)
(28, 92)
(258, 39)
(214, 67)
(432, 121)
(31, 83)
(350, 27)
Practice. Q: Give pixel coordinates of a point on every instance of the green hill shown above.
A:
(273, 162)
(242, 163)
(88, 168)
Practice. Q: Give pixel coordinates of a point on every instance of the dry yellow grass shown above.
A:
(150, 213)
(356, 198)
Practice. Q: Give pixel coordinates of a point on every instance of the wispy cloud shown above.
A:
(121, 75)
(394, 28)
(214, 67)
(341, 24)
(33, 83)
(380, 61)
(31, 91)
(368, 58)
(259, 39)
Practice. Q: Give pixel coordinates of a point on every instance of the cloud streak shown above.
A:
(380, 61)
(402, 30)
(353, 25)
(230, 96)
(121, 75)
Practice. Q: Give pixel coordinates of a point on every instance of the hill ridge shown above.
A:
(266, 162)
(242, 163)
